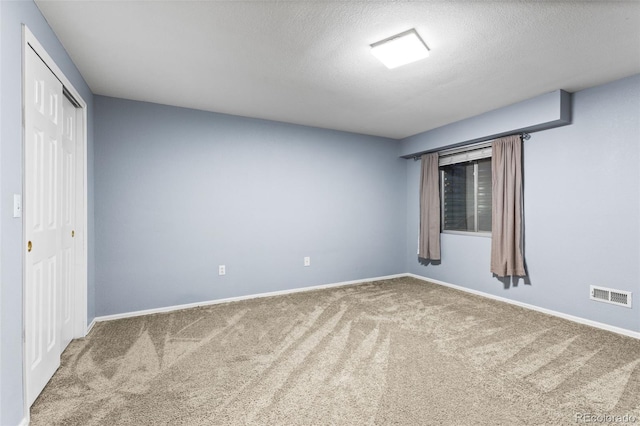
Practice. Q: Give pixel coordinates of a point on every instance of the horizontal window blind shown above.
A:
(484, 195)
(466, 188)
(462, 155)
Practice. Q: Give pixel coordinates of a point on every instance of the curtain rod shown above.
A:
(524, 135)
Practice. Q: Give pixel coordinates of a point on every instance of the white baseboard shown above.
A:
(236, 299)
(579, 320)
(24, 422)
(573, 318)
(93, 322)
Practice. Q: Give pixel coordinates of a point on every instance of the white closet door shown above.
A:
(42, 208)
(68, 220)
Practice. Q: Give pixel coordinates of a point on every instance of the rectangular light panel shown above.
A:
(401, 49)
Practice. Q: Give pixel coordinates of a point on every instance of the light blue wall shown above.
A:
(179, 192)
(543, 112)
(1, 211)
(13, 15)
(582, 212)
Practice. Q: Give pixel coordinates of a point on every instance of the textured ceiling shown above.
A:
(308, 62)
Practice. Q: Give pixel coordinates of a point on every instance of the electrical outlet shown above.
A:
(307, 261)
(222, 270)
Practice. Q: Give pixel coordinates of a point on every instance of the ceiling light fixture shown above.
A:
(400, 49)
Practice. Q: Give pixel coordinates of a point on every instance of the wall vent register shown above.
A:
(609, 295)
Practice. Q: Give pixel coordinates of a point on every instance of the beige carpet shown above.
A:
(393, 352)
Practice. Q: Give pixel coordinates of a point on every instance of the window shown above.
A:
(465, 179)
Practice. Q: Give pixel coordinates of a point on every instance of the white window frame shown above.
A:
(470, 153)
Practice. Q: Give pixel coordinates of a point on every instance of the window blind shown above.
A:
(462, 155)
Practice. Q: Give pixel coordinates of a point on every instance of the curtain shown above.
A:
(429, 247)
(506, 218)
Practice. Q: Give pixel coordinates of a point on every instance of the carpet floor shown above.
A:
(400, 351)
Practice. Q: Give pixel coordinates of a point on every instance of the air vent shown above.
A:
(609, 295)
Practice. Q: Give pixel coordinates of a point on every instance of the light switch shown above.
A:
(17, 205)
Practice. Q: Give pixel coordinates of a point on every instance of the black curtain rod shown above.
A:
(524, 135)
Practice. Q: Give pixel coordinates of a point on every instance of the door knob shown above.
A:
(73, 234)
(29, 245)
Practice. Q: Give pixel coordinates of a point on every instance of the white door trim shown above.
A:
(80, 297)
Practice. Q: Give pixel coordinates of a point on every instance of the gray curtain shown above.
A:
(506, 217)
(429, 247)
